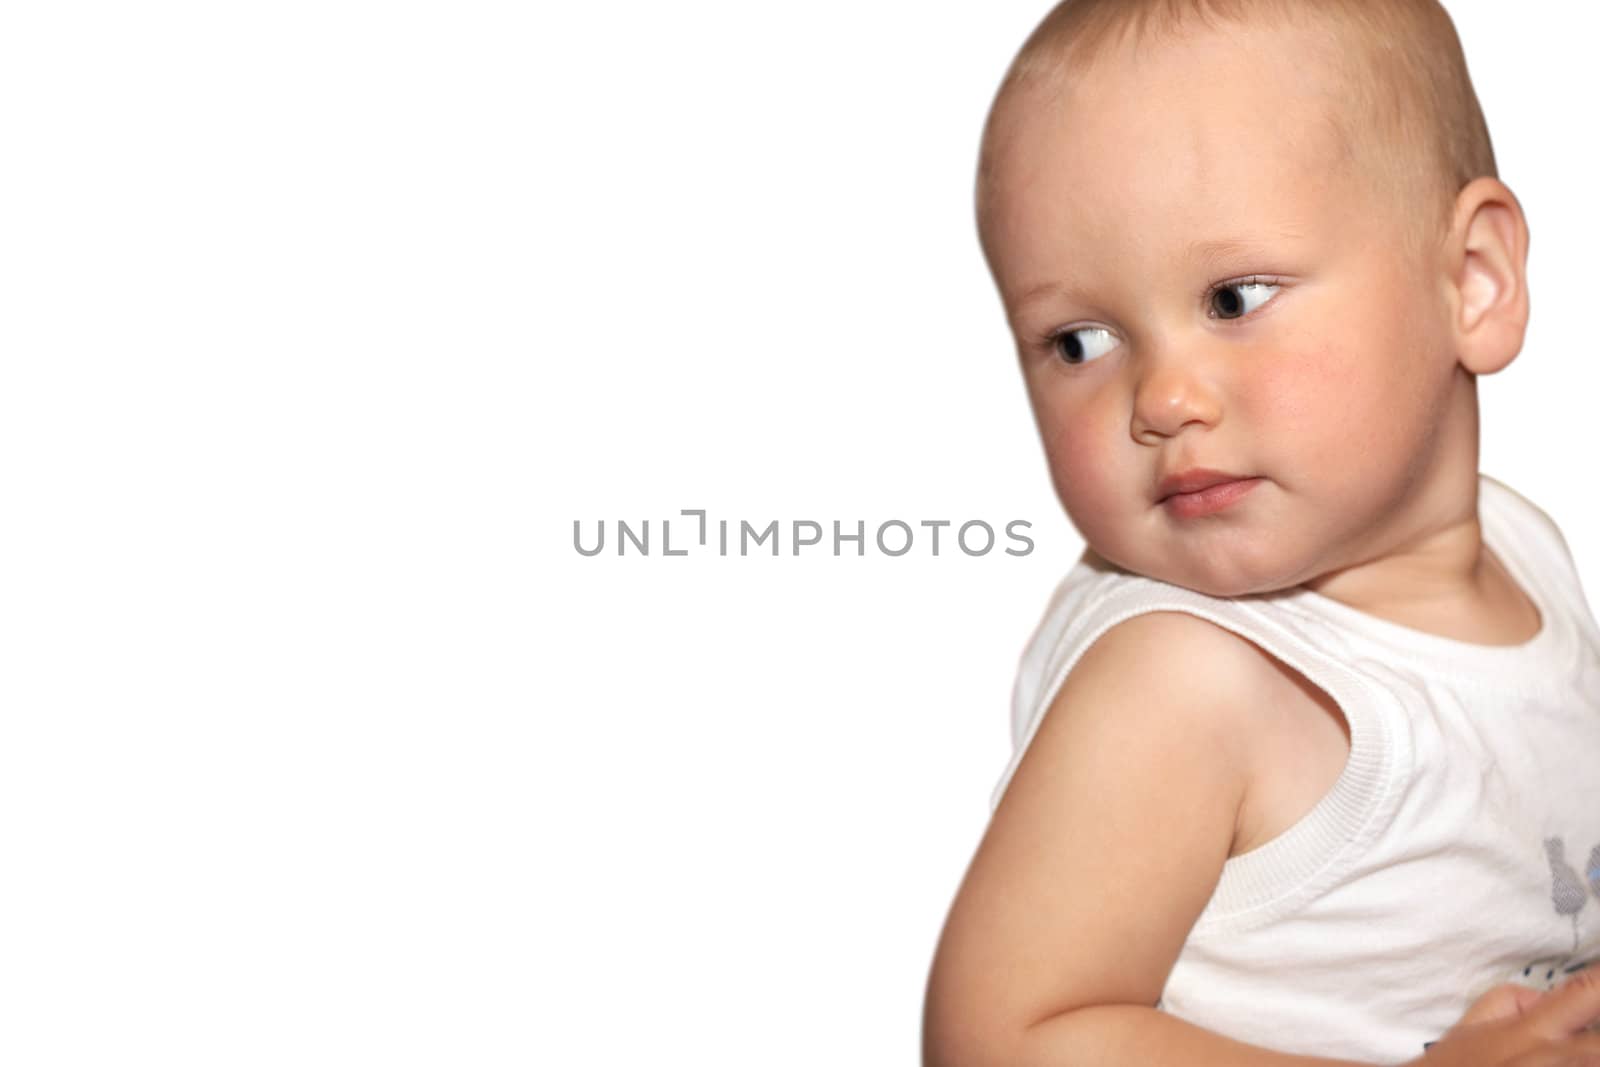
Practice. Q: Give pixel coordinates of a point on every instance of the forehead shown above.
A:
(1164, 149)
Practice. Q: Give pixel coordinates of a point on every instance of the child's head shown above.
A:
(1262, 238)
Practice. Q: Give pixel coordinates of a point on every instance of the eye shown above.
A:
(1082, 344)
(1232, 300)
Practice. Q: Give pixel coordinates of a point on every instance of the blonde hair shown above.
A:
(1409, 110)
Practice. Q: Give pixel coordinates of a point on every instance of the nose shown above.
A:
(1170, 395)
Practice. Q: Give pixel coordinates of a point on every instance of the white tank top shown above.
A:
(1460, 846)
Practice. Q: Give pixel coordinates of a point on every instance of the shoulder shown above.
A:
(1171, 701)
(1175, 671)
(1153, 692)
(1093, 598)
(1178, 649)
(1498, 502)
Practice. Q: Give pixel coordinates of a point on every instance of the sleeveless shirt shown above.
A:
(1459, 847)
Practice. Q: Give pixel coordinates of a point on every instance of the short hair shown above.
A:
(1408, 91)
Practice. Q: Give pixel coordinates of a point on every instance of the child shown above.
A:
(1308, 743)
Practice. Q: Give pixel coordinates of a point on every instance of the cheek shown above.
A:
(1322, 399)
(1297, 389)
(1081, 449)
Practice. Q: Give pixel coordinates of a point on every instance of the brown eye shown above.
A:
(1083, 344)
(1237, 299)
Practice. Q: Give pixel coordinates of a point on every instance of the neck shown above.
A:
(1441, 579)
(1442, 566)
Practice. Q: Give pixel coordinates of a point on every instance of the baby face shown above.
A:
(1204, 290)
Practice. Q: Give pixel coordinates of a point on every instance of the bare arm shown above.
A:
(1104, 850)
(1129, 1034)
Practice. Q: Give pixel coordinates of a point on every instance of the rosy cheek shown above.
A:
(1301, 391)
(1281, 388)
(1082, 461)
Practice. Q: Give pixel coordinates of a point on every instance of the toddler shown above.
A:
(1307, 761)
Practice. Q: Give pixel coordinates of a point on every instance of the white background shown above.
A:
(322, 324)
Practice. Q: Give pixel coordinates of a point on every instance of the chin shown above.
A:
(1210, 585)
(1239, 563)
(1225, 578)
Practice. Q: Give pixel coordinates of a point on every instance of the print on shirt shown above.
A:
(1569, 895)
(1567, 890)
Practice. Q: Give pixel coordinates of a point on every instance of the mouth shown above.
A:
(1194, 480)
(1198, 492)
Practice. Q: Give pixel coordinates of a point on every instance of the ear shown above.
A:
(1488, 266)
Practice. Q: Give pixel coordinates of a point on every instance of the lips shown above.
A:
(1193, 481)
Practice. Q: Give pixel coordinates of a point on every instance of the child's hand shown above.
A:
(1503, 1002)
(1512, 1026)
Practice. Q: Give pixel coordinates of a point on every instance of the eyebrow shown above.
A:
(1203, 253)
